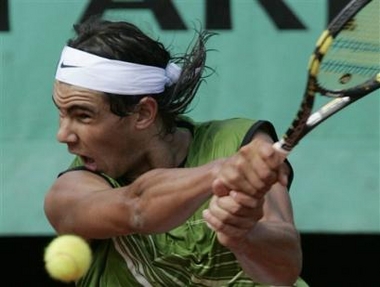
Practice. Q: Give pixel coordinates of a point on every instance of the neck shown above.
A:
(172, 149)
(167, 151)
(180, 146)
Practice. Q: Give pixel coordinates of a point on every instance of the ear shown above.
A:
(146, 111)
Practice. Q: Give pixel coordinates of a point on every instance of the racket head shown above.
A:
(348, 54)
(345, 65)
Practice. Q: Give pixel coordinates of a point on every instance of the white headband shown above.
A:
(86, 70)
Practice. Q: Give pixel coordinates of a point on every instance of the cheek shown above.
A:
(116, 153)
(98, 142)
(114, 139)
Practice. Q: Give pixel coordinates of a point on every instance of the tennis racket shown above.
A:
(344, 66)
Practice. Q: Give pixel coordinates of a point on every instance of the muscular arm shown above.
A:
(271, 252)
(251, 214)
(83, 203)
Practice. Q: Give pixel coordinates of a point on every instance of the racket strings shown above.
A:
(345, 68)
(354, 55)
(354, 45)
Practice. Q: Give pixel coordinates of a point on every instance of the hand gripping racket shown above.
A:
(345, 66)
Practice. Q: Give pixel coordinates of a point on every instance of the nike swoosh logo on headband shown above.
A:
(68, 66)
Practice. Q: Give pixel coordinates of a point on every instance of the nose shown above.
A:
(66, 133)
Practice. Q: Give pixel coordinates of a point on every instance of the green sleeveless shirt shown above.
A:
(189, 255)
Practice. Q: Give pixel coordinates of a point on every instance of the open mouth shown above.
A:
(89, 163)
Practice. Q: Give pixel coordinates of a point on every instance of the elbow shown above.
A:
(142, 220)
(136, 222)
(136, 211)
(145, 218)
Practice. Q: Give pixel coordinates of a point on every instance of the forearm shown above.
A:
(271, 253)
(251, 213)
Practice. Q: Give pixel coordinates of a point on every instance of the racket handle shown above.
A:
(279, 147)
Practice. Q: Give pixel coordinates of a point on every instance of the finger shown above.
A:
(216, 224)
(261, 172)
(233, 173)
(271, 156)
(219, 188)
(247, 200)
(228, 212)
(226, 234)
(283, 176)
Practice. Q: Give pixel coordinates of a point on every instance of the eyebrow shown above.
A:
(75, 107)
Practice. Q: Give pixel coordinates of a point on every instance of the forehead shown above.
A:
(64, 93)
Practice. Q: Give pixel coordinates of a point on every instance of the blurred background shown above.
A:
(260, 56)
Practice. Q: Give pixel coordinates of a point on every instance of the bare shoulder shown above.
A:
(71, 193)
(81, 180)
(73, 185)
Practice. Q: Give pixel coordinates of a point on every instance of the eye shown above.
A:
(83, 117)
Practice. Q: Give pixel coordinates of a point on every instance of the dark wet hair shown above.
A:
(126, 42)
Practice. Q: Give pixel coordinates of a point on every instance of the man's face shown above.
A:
(104, 141)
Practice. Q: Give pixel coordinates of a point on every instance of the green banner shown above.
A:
(260, 56)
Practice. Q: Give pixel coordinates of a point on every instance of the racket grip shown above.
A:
(279, 147)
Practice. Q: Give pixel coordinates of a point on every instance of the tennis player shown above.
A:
(164, 200)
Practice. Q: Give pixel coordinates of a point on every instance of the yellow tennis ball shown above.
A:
(67, 258)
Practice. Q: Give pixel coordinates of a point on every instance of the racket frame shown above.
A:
(305, 120)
